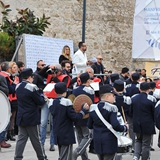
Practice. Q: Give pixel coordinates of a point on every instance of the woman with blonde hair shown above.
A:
(66, 54)
(14, 105)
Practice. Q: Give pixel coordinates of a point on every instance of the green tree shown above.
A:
(7, 46)
(26, 22)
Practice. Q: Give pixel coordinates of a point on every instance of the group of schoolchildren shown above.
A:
(135, 100)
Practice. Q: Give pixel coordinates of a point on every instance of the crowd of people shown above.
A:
(130, 95)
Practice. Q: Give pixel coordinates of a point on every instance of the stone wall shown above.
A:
(108, 25)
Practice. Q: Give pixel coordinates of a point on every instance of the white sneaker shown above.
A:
(135, 158)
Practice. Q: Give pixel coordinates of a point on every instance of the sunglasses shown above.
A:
(43, 65)
(100, 58)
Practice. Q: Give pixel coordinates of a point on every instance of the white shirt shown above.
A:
(80, 60)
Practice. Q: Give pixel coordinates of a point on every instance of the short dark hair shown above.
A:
(124, 70)
(20, 64)
(39, 61)
(84, 77)
(63, 63)
(80, 44)
(144, 69)
(109, 71)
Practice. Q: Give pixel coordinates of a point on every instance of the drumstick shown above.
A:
(123, 114)
(124, 118)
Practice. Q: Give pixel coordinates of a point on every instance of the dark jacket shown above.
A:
(63, 118)
(29, 100)
(62, 58)
(132, 89)
(39, 77)
(123, 101)
(157, 115)
(3, 85)
(124, 79)
(142, 108)
(105, 142)
(98, 68)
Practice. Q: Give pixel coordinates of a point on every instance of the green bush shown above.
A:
(7, 46)
(26, 22)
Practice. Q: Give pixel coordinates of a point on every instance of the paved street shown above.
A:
(29, 154)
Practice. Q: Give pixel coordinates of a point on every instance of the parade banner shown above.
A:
(146, 29)
(153, 69)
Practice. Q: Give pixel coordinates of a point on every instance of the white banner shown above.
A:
(146, 29)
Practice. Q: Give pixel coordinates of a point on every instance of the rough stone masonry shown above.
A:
(109, 25)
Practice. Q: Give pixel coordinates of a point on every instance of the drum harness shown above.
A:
(108, 125)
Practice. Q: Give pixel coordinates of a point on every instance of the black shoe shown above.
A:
(52, 148)
(45, 156)
(10, 136)
(152, 149)
(92, 151)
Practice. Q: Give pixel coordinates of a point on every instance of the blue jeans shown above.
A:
(3, 133)
(2, 136)
(43, 126)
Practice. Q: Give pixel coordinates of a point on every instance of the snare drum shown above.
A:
(5, 111)
(126, 146)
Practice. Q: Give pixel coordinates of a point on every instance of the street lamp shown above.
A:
(84, 21)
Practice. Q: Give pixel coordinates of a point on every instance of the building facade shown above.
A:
(109, 25)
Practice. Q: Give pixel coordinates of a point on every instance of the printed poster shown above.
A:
(146, 29)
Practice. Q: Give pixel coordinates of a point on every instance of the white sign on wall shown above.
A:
(43, 48)
(146, 29)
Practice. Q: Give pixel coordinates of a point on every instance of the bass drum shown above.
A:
(125, 146)
(5, 111)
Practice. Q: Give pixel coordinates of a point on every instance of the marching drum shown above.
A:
(49, 91)
(5, 111)
(79, 101)
(125, 146)
(71, 97)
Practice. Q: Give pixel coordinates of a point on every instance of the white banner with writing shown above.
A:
(146, 29)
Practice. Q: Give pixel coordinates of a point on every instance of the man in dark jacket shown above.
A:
(28, 117)
(142, 109)
(40, 77)
(124, 75)
(98, 67)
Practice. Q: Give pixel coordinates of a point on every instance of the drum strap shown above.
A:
(108, 125)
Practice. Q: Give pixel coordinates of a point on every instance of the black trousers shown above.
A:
(106, 157)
